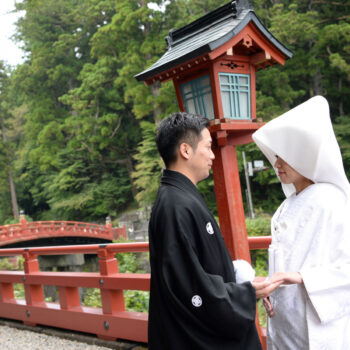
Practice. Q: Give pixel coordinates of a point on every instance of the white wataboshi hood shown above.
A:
(304, 138)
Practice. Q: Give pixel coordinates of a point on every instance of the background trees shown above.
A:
(78, 129)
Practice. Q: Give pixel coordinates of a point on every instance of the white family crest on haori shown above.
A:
(210, 229)
(196, 301)
(310, 232)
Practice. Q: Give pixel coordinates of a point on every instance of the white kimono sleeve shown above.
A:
(326, 271)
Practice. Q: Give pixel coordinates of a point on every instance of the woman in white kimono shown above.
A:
(310, 249)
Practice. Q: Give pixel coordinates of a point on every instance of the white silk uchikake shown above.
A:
(315, 239)
(304, 138)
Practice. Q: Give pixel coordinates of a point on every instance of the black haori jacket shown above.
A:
(195, 301)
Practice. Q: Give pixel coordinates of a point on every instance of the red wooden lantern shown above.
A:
(212, 63)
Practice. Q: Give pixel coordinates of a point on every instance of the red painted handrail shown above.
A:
(27, 231)
(109, 322)
(259, 242)
(79, 249)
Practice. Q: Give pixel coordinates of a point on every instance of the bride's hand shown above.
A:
(287, 277)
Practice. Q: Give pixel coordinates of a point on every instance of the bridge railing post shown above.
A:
(34, 294)
(112, 300)
(69, 298)
(6, 292)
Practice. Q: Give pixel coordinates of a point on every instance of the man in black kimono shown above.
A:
(195, 302)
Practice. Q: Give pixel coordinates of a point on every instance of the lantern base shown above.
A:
(233, 132)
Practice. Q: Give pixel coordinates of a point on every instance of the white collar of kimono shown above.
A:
(305, 139)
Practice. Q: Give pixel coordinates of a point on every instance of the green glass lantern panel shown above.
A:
(197, 97)
(235, 95)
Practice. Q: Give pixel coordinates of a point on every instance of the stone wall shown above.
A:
(136, 223)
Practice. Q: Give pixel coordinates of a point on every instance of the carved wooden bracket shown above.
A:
(221, 137)
(247, 41)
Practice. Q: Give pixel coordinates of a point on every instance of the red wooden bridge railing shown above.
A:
(111, 321)
(27, 231)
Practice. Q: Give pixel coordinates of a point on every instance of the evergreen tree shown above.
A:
(78, 131)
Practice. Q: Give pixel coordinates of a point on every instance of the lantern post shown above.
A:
(213, 63)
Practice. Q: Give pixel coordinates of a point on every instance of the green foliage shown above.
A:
(134, 300)
(127, 262)
(148, 169)
(80, 129)
(18, 290)
(206, 188)
(342, 130)
(5, 264)
(260, 226)
(93, 297)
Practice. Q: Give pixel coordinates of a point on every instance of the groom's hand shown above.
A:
(265, 288)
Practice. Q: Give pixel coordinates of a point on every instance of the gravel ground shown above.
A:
(16, 339)
(16, 336)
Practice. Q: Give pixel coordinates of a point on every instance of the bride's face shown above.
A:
(286, 173)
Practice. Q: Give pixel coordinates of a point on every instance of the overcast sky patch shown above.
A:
(9, 52)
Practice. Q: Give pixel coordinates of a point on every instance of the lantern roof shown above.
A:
(208, 33)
